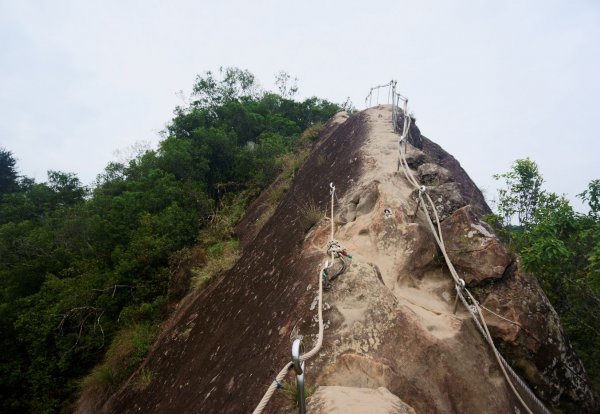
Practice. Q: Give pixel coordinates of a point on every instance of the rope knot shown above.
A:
(334, 246)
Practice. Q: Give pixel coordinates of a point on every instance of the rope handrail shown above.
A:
(475, 310)
(281, 375)
(391, 84)
(423, 199)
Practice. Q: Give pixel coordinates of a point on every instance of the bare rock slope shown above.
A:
(392, 341)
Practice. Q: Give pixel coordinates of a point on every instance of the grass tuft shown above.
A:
(290, 391)
(102, 377)
(143, 379)
(311, 215)
(221, 257)
(311, 134)
(127, 350)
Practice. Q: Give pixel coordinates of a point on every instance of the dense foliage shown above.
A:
(86, 270)
(561, 248)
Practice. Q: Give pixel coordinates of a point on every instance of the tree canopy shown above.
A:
(8, 172)
(84, 269)
(561, 248)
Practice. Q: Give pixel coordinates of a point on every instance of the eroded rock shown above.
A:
(362, 202)
(534, 341)
(389, 319)
(447, 199)
(433, 174)
(414, 156)
(422, 250)
(473, 248)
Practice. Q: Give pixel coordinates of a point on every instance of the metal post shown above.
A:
(459, 287)
(455, 304)
(417, 208)
(394, 109)
(297, 351)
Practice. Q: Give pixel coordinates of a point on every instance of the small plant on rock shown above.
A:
(311, 214)
(143, 379)
(290, 391)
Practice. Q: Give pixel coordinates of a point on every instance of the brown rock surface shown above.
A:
(447, 199)
(414, 156)
(535, 342)
(389, 318)
(473, 248)
(350, 400)
(432, 174)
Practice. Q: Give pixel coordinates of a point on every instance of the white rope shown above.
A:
(267, 396)
(332, 192)
(437, 233)
(391, 84)
(504, 365)
(333, 247)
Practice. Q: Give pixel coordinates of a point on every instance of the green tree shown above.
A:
(562, 249)
(592, 197)
(81, 269)
(8, 172)
(233, 84)
(288, 87)
(522, 193)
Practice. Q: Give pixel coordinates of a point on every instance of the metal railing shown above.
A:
(391, 85)
(298, 364)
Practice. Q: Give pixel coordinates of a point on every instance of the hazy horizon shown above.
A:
(489, 82)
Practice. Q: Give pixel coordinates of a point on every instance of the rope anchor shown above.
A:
(298, 364)
(460, 286)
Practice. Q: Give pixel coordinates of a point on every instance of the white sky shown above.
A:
(490, 81)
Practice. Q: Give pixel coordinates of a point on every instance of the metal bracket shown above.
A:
(297, 351)
(459, 287)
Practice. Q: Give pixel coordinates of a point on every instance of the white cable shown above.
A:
(281, 375)
(440, 242)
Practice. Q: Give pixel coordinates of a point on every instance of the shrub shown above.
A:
(222, 258)
(311, 134)
(127, 350)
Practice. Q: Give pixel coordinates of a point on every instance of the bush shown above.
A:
(222, 256)
(312, 133)
(126, 351)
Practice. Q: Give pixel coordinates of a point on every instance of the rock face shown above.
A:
(473, 248)
(433, 174)
(349, 400)
(535, 342)
(392, 340)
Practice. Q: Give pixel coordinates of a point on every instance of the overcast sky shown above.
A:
(490, 81)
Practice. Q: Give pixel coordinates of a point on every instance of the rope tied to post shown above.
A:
(337, 251)
(391, 85)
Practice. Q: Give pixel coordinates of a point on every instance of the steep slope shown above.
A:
(392, 336)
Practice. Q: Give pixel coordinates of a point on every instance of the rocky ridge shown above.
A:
(392, 339)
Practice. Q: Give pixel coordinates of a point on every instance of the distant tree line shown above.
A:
(79, 265)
